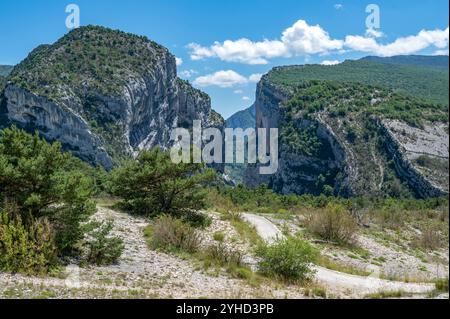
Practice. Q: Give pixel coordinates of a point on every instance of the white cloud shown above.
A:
(372, 33)
(242, 51)
(299, 39)
(179, 61)
(405, 45)
(441, 52)
(226, 79)
(188, 73)
(302, 39)
(338, 6)
(328, 62)
(223, 79)
(255, 77)
(246, 98)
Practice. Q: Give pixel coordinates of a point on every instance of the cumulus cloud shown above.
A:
(246, 98)
(255, 77)
(227, 79)
(441, 52)
(299, 39)
(404, 45)
(242, 51)
(188, 73)
(302, 39)
(223, 79)
(338, 6)
(328, 62)
(371, 32)
(179, 61)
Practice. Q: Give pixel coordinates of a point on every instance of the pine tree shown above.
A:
(153, 185)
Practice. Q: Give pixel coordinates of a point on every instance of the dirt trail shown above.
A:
(139, 273)
(336, 280)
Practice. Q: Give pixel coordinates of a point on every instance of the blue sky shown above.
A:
(314, 32)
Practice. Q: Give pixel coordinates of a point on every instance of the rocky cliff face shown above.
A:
(342, 139)
(104, 95)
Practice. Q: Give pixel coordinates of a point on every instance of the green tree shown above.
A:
(152, 185)
(40, 181)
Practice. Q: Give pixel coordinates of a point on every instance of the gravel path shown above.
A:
(139, 273)
(266, 229)
(338, 281)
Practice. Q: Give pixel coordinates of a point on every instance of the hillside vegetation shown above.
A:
(347, 99)
(417, 79)
(95, 57)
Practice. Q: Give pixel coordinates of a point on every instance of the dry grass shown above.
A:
(332, 223)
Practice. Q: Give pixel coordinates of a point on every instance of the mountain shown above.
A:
(425, 61)
(243, 119)
(5, 70)
(104, 94)
(418, 77)
(353, 130)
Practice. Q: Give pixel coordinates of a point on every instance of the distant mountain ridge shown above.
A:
(243, 119)
(5, 70)
(434, 62)
(424, 77)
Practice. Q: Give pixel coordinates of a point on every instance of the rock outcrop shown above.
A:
(358, 154)
(123, 97)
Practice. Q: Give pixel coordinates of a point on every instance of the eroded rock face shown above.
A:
(419, 155)
(99, 127)
(54, 123)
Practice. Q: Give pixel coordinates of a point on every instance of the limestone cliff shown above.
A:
(103, 94)
(352, 139)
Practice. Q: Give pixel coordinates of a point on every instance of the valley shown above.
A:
(93, 206)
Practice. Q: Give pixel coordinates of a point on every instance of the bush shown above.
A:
(442, 285)
(170, 233)
(429, 239)
(289, 259)
(219, 236)
(390, 216)
(153, 185)
(27, 249)
(41, 181)
(332, 223)
(102, 248)
(221, 255)
(197, 220)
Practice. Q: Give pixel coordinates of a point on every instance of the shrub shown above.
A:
(102, 248)
(27, 249)
(221, 255)
(442, 285)
(332, 223)
(219, 236)
(289, 259)
(390, 217)
(41, 181)
(429, 239)
(170, 233)
(196, 219)
(153, 185)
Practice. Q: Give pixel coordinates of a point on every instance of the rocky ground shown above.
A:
(141, 273)
(144, 273)
(350, 285)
